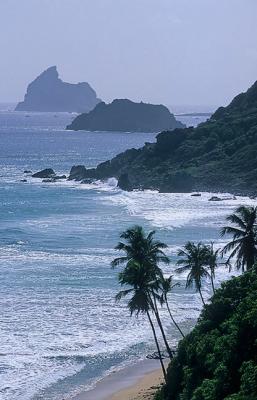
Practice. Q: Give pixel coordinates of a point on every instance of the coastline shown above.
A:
(135, 381)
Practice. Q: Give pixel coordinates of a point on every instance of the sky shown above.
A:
(175, 52)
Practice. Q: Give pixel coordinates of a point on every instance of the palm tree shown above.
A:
(212, 262)
(147, 252)
(140, 248)
(167, 286)
(194, 261)
(244, 233)
(140, 301)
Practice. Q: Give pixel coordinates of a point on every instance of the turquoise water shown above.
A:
(60, 328)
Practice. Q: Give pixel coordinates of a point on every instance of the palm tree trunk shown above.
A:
(173, 320)
(158, 347)
(156, 313)
(212, 284)
(201, 296)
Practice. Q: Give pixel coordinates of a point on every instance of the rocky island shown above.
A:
(49, 93)
(218, 155)
(124, 115)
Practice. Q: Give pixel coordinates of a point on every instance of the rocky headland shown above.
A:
(124, 115)
(49, 93)
(218, 155)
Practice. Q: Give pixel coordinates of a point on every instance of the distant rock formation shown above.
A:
(49, 93)
(123, 115)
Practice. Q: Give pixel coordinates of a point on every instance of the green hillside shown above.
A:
(218, 359)
(218, 155)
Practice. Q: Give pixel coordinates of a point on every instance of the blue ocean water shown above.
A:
(60, 328)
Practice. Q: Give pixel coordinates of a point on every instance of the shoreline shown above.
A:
(135, 381)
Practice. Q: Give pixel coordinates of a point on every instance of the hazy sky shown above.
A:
(160, 51)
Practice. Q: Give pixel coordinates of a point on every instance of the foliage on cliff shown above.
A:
(218, 359)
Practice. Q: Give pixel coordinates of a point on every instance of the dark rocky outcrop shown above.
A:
(215, 198)
(124, 183)
(45, 173)
(49, 93)
(48, 180)
(180, 182)
(79, 173)
(219, 155)
(126, 116)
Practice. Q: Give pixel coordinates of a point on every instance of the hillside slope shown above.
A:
(218, 359)
(218, 155)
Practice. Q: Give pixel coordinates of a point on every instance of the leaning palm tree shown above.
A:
(194, 260)
(244, 234)
(167, 286)
(140, 300)
(147, 252)
(212, 262)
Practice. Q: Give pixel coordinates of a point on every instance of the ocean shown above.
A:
(60, 328)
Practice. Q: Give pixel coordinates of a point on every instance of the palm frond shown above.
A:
(122, 293)
(118, 261)
(182, 269)
(230, 230)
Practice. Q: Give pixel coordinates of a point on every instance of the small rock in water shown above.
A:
(78, 172)
(48, 180)
(87, 181)
(215, 198)
(23, 180)
(45, 173)
(196, 194)
(27, 171)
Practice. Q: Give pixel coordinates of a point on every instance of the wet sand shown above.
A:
(138, 382)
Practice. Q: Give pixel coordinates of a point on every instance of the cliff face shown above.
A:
(126, 116)
(49, 93)
(218, 155)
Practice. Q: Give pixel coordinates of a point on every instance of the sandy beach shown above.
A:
(144, 389)
(137, 382)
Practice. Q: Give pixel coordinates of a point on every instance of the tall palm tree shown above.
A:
(194, 261)
(244, 234)
(212, 262)
(167, 286)
(147, 252)
(140, 301)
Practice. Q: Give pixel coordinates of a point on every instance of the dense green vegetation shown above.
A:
(218, 359)
(218, 155)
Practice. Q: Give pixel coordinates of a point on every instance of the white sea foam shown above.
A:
(173, 210)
